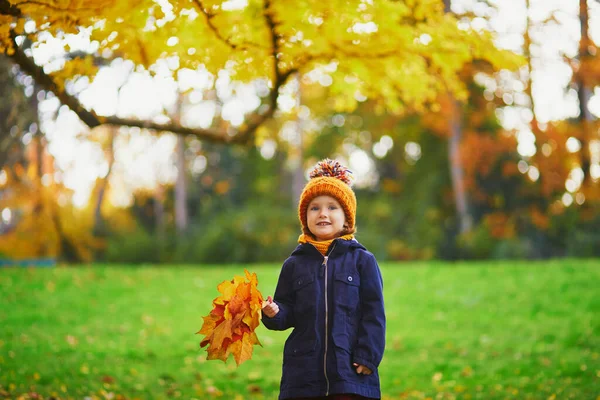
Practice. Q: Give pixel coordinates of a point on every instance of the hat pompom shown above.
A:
(332, 168)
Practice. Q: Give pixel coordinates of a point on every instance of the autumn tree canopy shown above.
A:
(402, 53)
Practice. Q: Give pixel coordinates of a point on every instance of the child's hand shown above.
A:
(361, 369)
(270, 308)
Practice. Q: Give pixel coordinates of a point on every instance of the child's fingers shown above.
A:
(266, 302)
(361, 369)
(274, 308)
(270, 309)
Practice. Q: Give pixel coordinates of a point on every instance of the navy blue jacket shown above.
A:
(335, 306)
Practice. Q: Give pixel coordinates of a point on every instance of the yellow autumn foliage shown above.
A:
(402, 53)
(43, 222)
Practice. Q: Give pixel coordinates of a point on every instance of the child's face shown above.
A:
(325, 217)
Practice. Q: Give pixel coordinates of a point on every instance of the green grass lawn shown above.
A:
(503, 330)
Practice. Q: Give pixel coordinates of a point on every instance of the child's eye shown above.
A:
(314, 208)
(332, 207)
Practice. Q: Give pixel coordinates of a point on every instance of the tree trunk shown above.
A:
(9, 111)
(447, 6)
(535, 126)
(99, 225)
(456, 169)
(584, 94)
(67, 250)
(159, 218)
(37, 159)
(181, 212)
(298, 180)
(465, 220)
(38, 208)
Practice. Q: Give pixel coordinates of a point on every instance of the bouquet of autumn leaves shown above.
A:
(229, 328)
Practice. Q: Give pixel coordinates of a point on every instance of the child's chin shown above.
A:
(325, 236)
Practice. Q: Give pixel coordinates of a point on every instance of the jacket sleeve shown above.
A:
(285, 298)
(371, 329)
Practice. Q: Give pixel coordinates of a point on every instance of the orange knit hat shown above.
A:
(329, 178)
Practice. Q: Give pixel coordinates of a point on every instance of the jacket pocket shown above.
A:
(344, 332)
(299, 344)
(304, 288)
(298, 355)
(302, 281)
(347, 292)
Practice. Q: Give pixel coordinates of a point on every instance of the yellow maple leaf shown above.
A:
(229, 328)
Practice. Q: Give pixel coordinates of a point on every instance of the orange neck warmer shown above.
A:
(323, 245)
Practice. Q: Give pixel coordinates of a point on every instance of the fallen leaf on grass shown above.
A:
(254, 389)
(71, 340)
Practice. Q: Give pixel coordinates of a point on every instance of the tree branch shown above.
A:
(8, 9)
(53, 7)
(208, 15)
(44, 80)
(91, 119)
(369, 56)
(243, 136)
(278, 77)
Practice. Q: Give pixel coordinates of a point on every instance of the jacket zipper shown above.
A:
(325, 259)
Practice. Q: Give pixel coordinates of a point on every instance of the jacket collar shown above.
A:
(341, 246)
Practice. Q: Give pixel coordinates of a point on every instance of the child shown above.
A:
(330, 292)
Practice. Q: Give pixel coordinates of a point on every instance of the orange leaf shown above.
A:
(229, 328)
(210, 322)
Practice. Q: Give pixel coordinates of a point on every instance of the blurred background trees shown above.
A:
(190, 127)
